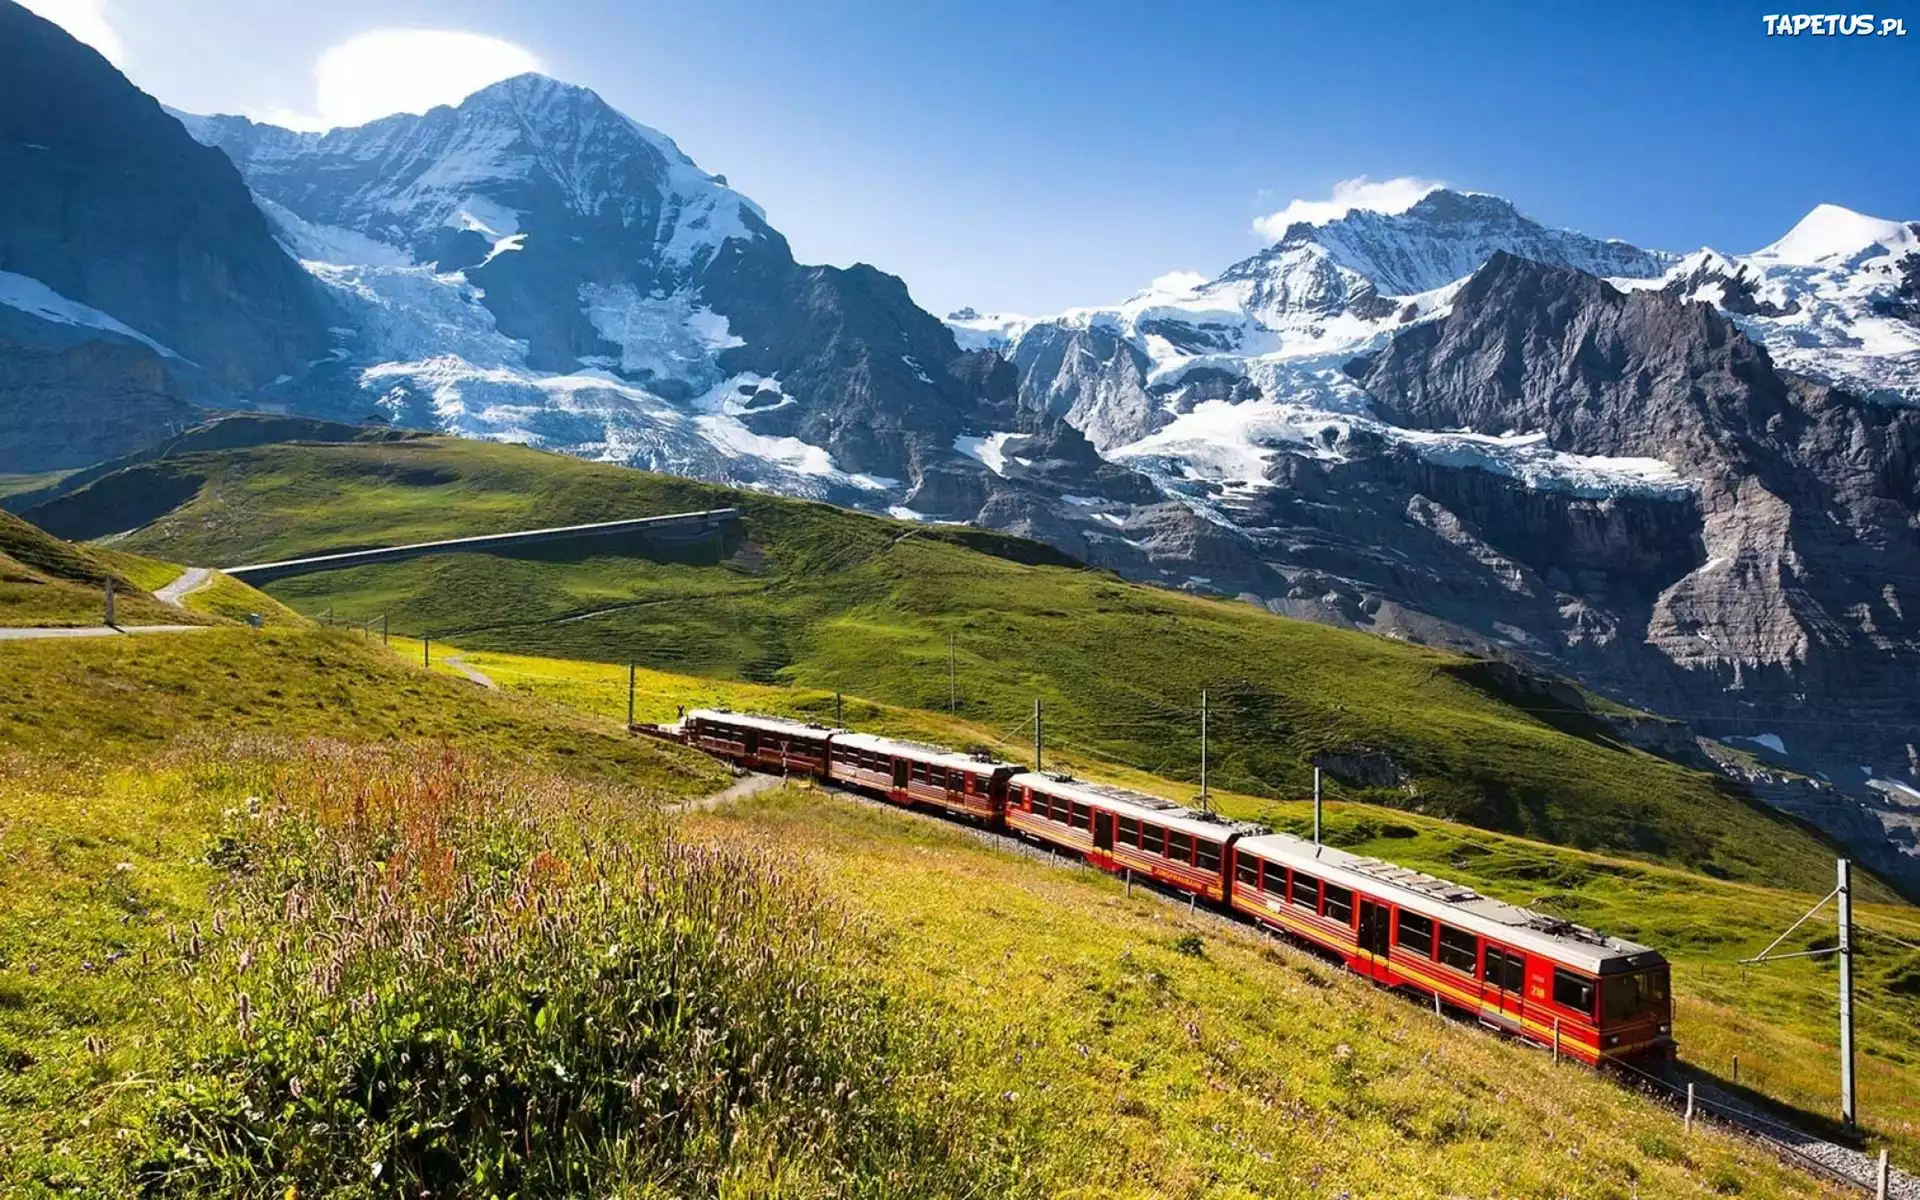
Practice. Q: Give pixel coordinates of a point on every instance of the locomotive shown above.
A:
(1537, 977)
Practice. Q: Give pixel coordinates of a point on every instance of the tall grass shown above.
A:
(428, 977)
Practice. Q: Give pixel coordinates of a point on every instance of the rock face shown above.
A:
(1788, 605)
(135, 271)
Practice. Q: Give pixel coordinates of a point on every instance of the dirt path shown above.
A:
(191, 580)
(84, 631)
(747, 785)
(474, 673)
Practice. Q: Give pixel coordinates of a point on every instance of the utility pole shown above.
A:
(836, 710)
(110, 621)
(629, 695)
(1844, 894)
(1203, 750)
(953, 686)
(1316, 806)
(426, 651)
(1036, 734)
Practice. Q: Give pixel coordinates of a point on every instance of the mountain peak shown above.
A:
(1831, 234)
(1442, 237)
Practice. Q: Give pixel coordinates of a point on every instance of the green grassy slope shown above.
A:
(830, 599)
(1150, 1054)
(110, 699)
(47, 581)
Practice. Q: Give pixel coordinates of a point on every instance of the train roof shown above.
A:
(1458, 905)
(943, 756)
(1139, 805)
(782, 725)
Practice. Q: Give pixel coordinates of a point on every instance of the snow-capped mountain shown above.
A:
(1443, 424)
(532, 265)
(1837, 299)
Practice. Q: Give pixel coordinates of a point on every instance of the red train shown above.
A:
(1537, 977)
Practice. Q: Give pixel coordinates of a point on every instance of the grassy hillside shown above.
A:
(47, 581)
(1779, 1019)
(216, 930)
(113, 699)
(825, 598)
(1150, 1053)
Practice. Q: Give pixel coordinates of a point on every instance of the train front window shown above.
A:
(1624, 997)
(1572, 991)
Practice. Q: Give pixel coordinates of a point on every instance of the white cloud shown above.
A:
(386, 71)
(87, 21)
(1177, 282)
(1384, 195)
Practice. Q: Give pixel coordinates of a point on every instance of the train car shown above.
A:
(1539, 977)
(1119, 829)
(910, 773)
(760, 743)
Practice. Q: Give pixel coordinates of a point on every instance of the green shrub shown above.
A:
(430, 978)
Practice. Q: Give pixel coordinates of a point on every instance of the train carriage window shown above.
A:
(1415, 934)
(1206, 855)
(1458, 948)
(1080, 817)
(1506, 970)
(919, 771)
(1246, 870)
(1061, 809)
(1572, 991)
(1152, 838)
(1179, 846)
(1306, 892)
(1274, 882)
(1339, 903)
(1129, 831)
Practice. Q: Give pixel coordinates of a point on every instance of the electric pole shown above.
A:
(1316, 806)
(836, 710)
(1036, 734)
(953, 687)
(629, 695)
(1844, 894)
(1203, 750)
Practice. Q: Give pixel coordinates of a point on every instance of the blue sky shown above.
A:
(1033, 156)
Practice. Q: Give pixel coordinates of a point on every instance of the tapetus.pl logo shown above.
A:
(1834, 25)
